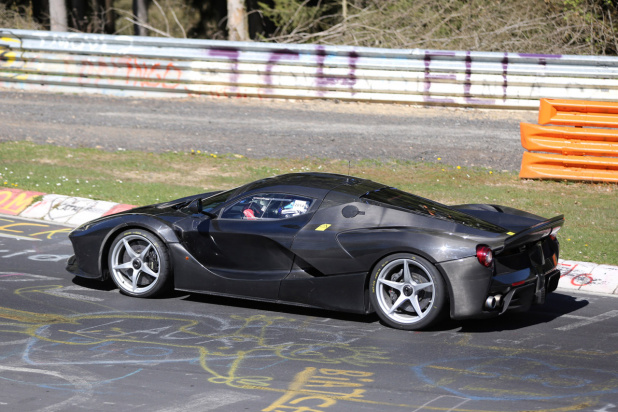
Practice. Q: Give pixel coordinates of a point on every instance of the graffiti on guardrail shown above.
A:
(76, 42)
(128, 65)
(132, 71)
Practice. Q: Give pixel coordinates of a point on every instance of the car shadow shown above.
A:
(280, 308)
(95, 284)
(556, 305)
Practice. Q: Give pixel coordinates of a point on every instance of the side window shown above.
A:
(268, 206)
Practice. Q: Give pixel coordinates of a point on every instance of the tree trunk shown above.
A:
(109, 16)
(237, 23)
(40, 12)
(140, 11)
(78, 15)
(58, 15)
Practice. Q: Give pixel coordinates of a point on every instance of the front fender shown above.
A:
(153, 224)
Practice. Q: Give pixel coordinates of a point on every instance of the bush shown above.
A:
(525, 26)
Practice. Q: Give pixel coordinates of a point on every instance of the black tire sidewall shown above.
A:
(440, 292)
(162, 283)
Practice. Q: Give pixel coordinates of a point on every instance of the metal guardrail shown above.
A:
(134, 66)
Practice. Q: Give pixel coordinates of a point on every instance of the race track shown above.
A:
(72, 344)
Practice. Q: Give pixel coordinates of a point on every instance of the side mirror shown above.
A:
(195, 208)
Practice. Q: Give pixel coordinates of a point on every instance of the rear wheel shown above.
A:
(407, 291)
(138, 263)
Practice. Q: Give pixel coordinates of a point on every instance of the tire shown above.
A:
(407, 299)
(139, 264)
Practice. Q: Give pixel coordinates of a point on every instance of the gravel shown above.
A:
(268, 128)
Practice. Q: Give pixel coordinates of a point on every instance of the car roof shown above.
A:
(315, 185)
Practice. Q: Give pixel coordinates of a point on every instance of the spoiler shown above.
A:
(534, 233)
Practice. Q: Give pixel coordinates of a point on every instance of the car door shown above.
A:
(248, 244)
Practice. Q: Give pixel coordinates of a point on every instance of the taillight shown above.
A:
(484, 255)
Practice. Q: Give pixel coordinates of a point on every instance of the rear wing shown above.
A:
(535, 232)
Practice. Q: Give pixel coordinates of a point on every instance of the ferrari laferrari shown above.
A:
(329, 241)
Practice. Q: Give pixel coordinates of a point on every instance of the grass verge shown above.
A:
(140, 178)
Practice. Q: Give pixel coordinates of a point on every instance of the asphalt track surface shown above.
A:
(268, 128)
(68, 344)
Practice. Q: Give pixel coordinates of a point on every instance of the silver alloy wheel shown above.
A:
(135, 264)
(405, 291)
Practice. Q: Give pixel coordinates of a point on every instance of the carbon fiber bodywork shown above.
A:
(324, 256)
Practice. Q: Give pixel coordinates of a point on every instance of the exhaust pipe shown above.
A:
(493, 302)
(498, 301)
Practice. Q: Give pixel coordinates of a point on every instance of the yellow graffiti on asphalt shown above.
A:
(237, 340)
(185, 329)
(310, 386)
(31, 230)
(465, 341)
(226, 346)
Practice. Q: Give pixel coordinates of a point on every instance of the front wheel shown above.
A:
(138, 263)
(407, 291)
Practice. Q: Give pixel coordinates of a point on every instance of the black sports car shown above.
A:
(329, 241)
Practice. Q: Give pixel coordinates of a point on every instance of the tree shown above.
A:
(237, 22)
(58, 15)
(79, 17)
(140, 11)
(109, 17)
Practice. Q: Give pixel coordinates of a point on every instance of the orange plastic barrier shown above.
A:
(576, 153)
(578, 113)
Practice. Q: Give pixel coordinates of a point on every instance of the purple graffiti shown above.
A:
(541, 56)
(273, 59)
(323, 80)
(468, 78)
(350, 80)
(231, 54)
(428, 77)
(505, 67)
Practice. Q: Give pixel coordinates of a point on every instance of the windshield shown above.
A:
(211, 203)
(390, 196)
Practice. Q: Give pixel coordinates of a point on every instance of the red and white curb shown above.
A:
(68, 210)
(589, 277)
(583, 276)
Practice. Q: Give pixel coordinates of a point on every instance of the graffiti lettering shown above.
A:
(30, 231)
(308, 389)
(13, 202)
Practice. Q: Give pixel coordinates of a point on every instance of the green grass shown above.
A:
(139, 178)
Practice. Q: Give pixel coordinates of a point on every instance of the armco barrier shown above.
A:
(137, 66)
(574, 153)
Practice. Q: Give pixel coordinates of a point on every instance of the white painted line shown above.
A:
(19, 237)
(213, 400)
(594, 319)
(61, 293)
